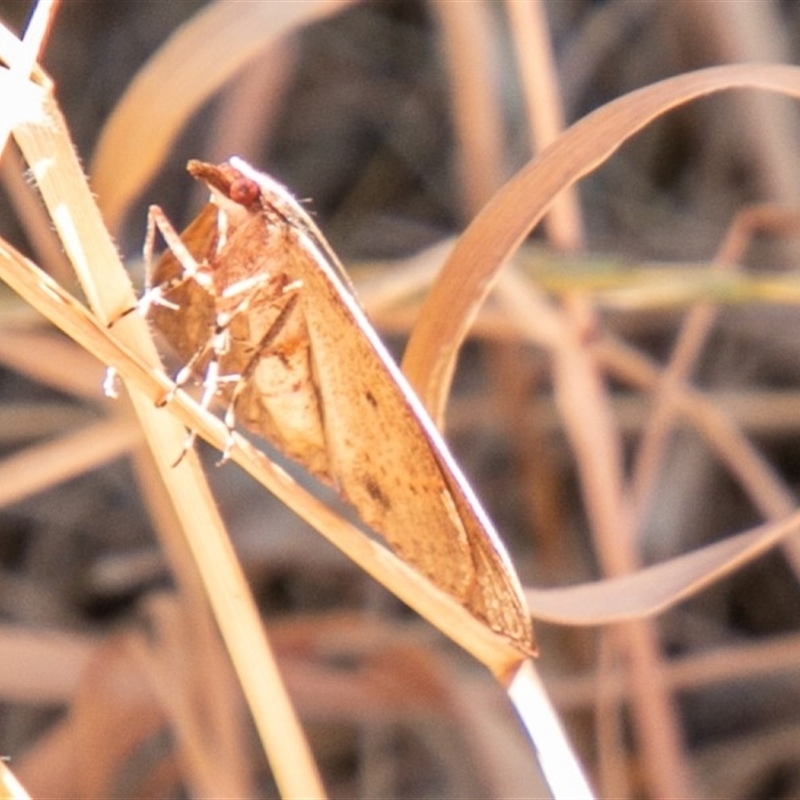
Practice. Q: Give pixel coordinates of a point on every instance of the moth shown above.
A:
(254, 302)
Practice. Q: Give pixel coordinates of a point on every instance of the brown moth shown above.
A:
(256, 304)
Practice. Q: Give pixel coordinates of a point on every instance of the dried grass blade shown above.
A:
(21, 58)
(762, 482)
(539, 81)
(466, 29)
(562, 772)
(41, 466)
(51, 360)
(692, 337)
(637, 597)
(502, 225)
(652, 590)
(10, 787)
(46, 145)
(36, 32)
(41, 666)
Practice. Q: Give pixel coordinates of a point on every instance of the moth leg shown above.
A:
(250, 367)
(246, 286)
(214, 348)
(216, 345)
(180, 379)
(191, 269)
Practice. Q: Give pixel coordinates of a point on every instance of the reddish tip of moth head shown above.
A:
(227, 180)
(243, 191)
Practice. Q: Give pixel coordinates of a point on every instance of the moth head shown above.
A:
(234, 193)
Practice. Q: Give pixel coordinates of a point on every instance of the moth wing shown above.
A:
(279, 400)
(385, 455)
(390, 462)
(496, 595)
(273, 402)
(190, 325)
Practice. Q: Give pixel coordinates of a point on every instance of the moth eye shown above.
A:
(243, 191)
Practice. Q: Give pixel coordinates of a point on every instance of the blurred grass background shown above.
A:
(360, 121)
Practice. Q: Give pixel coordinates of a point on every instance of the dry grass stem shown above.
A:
(48, 358)
(538, 77)
(47, 148)
(10, 787)
(476, 112)
(41, 466)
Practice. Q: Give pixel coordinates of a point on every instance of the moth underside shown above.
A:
(259, 311)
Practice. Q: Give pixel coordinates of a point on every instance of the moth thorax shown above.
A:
(234, 213)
